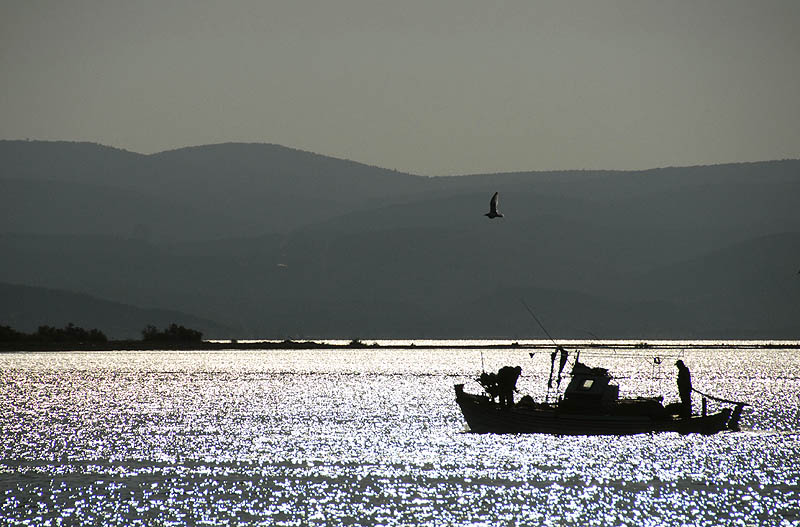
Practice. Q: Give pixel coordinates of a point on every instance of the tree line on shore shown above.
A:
(174, 333)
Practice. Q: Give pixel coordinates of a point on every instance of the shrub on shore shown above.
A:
(69, 333)
(174, 333)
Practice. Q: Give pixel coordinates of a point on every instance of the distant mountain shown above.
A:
(282, 243)
(236, 190)
(427, 283)
(59, 207)
(226, 190)
(25, 308)
(740, 288)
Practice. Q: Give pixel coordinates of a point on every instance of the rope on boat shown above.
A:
(720, 399)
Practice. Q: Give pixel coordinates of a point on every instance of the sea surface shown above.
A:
(374, 437)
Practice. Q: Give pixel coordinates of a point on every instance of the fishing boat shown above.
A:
(590, 405)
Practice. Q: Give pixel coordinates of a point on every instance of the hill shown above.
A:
(427, 284)
(220, 191)
(276, 242)
(25, 308)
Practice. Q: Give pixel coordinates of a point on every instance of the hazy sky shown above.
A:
(430, 87)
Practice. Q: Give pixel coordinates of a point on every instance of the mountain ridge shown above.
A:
(272, 240)
(25, 307)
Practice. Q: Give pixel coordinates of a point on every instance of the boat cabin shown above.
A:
(590, 387)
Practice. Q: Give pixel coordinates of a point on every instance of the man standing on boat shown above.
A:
(507, 383)
(685, 389)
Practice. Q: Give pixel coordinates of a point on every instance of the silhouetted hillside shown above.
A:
(427, 283)
(58, 207)
(282, 243)
(68, 161)
(753, 284)
(234, 190)
(237, 189)
(25, 308)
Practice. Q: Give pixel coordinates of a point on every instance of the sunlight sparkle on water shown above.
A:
(373, 437)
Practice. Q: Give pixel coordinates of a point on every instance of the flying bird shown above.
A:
(493, 207)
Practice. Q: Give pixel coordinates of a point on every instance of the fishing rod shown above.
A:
(538, 322)
(552, 355)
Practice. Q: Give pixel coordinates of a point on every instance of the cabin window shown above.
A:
(587, 384)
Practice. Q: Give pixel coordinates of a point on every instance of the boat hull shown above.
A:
(485, 416)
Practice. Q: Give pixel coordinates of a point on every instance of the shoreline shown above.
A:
(138, 345)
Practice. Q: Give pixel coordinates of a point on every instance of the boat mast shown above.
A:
(552, 355)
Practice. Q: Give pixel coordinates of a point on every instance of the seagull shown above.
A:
(493, 207)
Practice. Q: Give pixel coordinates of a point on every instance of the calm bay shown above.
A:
(373, 437)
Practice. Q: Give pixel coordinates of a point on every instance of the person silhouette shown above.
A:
(685, 389)
(489, 383)
(507, 382)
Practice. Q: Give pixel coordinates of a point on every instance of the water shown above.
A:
(373, 437)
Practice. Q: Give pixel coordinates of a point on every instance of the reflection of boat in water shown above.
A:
(590, 406)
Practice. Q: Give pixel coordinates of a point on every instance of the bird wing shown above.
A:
(493, 202)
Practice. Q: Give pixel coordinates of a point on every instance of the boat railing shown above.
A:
(719, 399)
(733, 421)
